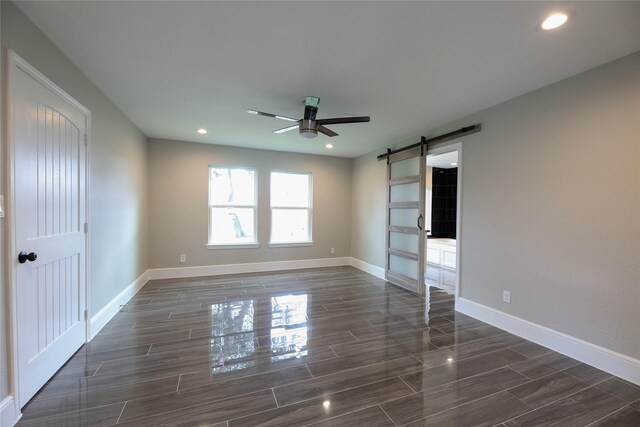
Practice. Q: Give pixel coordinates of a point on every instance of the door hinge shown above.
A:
(86, 140)
(86, 315)
(86, 227)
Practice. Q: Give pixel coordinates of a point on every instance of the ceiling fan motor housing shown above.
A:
(309, 125)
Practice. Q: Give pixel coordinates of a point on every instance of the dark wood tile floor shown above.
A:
(327, 347)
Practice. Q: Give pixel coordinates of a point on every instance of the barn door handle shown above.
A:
(24, 257)
(419, 218)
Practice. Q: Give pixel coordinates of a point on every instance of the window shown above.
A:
(290, 207)
(232, 206)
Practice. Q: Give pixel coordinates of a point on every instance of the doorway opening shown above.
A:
(441, 219)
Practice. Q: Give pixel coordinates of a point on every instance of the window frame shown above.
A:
(308, 242)
(210, 206)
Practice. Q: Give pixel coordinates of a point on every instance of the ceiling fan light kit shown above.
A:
(309, 125)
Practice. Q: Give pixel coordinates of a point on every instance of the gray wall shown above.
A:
(118, 177)
(550, 208)
(178, 203)
(368, 216)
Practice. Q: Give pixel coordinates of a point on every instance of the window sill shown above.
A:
(290, 244)
(233, 246)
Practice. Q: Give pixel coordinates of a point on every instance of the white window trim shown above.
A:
(309, 242)
(291, 244)
(233, 245)
(230, 245)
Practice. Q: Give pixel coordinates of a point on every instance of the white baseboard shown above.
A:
(368, 268)
(607, 360)
(9, 413)
(103, 316)
(254, 267)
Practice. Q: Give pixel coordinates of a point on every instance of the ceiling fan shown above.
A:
(309, 126)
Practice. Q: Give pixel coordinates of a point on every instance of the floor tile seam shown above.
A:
(478, 354)
(315, 423)
(348, 370)
(407, 384)
(309, 329)
(555, 401)
(246, 377)
(549, 375)
(530, 357)
(465, 378)
(126, 384)
(385, 412)
(576, 377)
(26, 417)
(390, 336)
(139, 345)
(611, 394)
(349, 389)
(101, 389)
(436, 328)
(121, 412)
(306, 365)
(494, 351)
(331, 348)
(198, 405)
(126, 333)
(472, 401)
(354, 337)
(527, 376)
(426, 328)
(466, 342)
(96, 371)
(144, 356)
(611, 413)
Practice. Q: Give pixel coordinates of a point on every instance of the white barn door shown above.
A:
(48, 182)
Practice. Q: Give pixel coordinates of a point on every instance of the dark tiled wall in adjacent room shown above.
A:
(443, 203)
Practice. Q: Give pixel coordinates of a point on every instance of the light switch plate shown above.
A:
(1, 206)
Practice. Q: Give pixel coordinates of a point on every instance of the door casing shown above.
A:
(441, 149)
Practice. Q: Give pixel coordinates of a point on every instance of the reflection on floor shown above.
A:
(333, 346)
(441, 277)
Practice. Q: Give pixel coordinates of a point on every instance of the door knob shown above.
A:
(24, 257)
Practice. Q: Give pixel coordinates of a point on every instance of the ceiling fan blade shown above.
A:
(275, 116)
(326, 131)
(287, 129)
(342, 120)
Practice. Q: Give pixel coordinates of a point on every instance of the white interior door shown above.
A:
(49, 196)
(405, 219)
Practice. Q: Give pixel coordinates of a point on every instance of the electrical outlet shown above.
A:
(506, 297)
(183, 258)
(333, 250)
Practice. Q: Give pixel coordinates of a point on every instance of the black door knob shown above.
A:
(24, 257)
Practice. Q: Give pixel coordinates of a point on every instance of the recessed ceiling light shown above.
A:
(329, 145)
(554, 21)
(454, 164)
(450, 359)
(202, 131)
(326, 404)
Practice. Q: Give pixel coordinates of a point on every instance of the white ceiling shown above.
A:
(173, 66)
(444, 160)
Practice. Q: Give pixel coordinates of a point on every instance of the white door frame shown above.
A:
(441, 149)
(15, 65)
